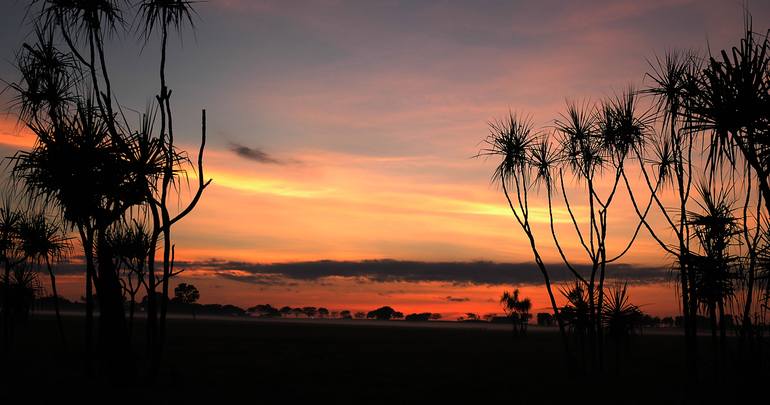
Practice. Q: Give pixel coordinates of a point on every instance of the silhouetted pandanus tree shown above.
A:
(715, 228)
(516, 309)
(669, 164)
(729, 103)
(166, 16)
(11, 256)
(576, 314)
(521, 167)
(595, 142)
(621, 318)
(729, 100)
(131, 247)
(44, 242)
(79, 168)
(91, 165)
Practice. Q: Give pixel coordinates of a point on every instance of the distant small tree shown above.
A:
(323, 312)
(264, 311)
(187, 294)
(397, 315)
(435, 316)
(382, 313)
(310, 312)
(360, 315)
(421, 317)
(297, 312)
(345, 314)
(285, 311)
(516, 309)
(544, 319)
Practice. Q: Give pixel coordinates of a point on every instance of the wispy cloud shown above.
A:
(255, 154)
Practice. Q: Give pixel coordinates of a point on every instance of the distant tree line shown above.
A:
(382, 313)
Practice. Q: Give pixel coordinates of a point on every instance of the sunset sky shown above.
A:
(346, 130)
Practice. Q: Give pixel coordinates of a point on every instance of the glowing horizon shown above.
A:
(346, 131)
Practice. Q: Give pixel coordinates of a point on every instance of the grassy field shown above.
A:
(354, 361)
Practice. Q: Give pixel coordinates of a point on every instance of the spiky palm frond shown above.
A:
(576, 313)
(165, 14)
(130, 243)
(509, 301)
(622, 127)
(78, 167)
(579, 140)
(79, 18)
(48, 77)
(671, 83)
(509, 140)
(714, 229)
(543, 158)
(715, 225)
(619, 316)
(10, 219)
(730, 98)
(42, 238)
(663, 160)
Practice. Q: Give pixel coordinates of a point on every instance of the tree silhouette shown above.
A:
(131, 247)
(421, 317)
(382, 313)
(265, 311)
(670, 164)
(310, 312)
(594, 144)
(621, 317)
(11, 256)
(187, 294)
(525, 161)
(91, 166)
(285, 310)
(516, 309)
(714, 227)
(43, 241)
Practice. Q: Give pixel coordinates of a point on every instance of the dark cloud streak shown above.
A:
(255, 154)
(460, 273)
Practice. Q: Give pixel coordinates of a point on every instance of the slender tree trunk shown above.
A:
(87, 239)
(6, 307)
(152, 302)
(714, 340)
(116, 361)
(599, 326)
(131, 308)
(56, 301)
(722, 331)
(164, 285)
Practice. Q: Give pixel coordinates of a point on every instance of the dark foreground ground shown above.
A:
(225, 361)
